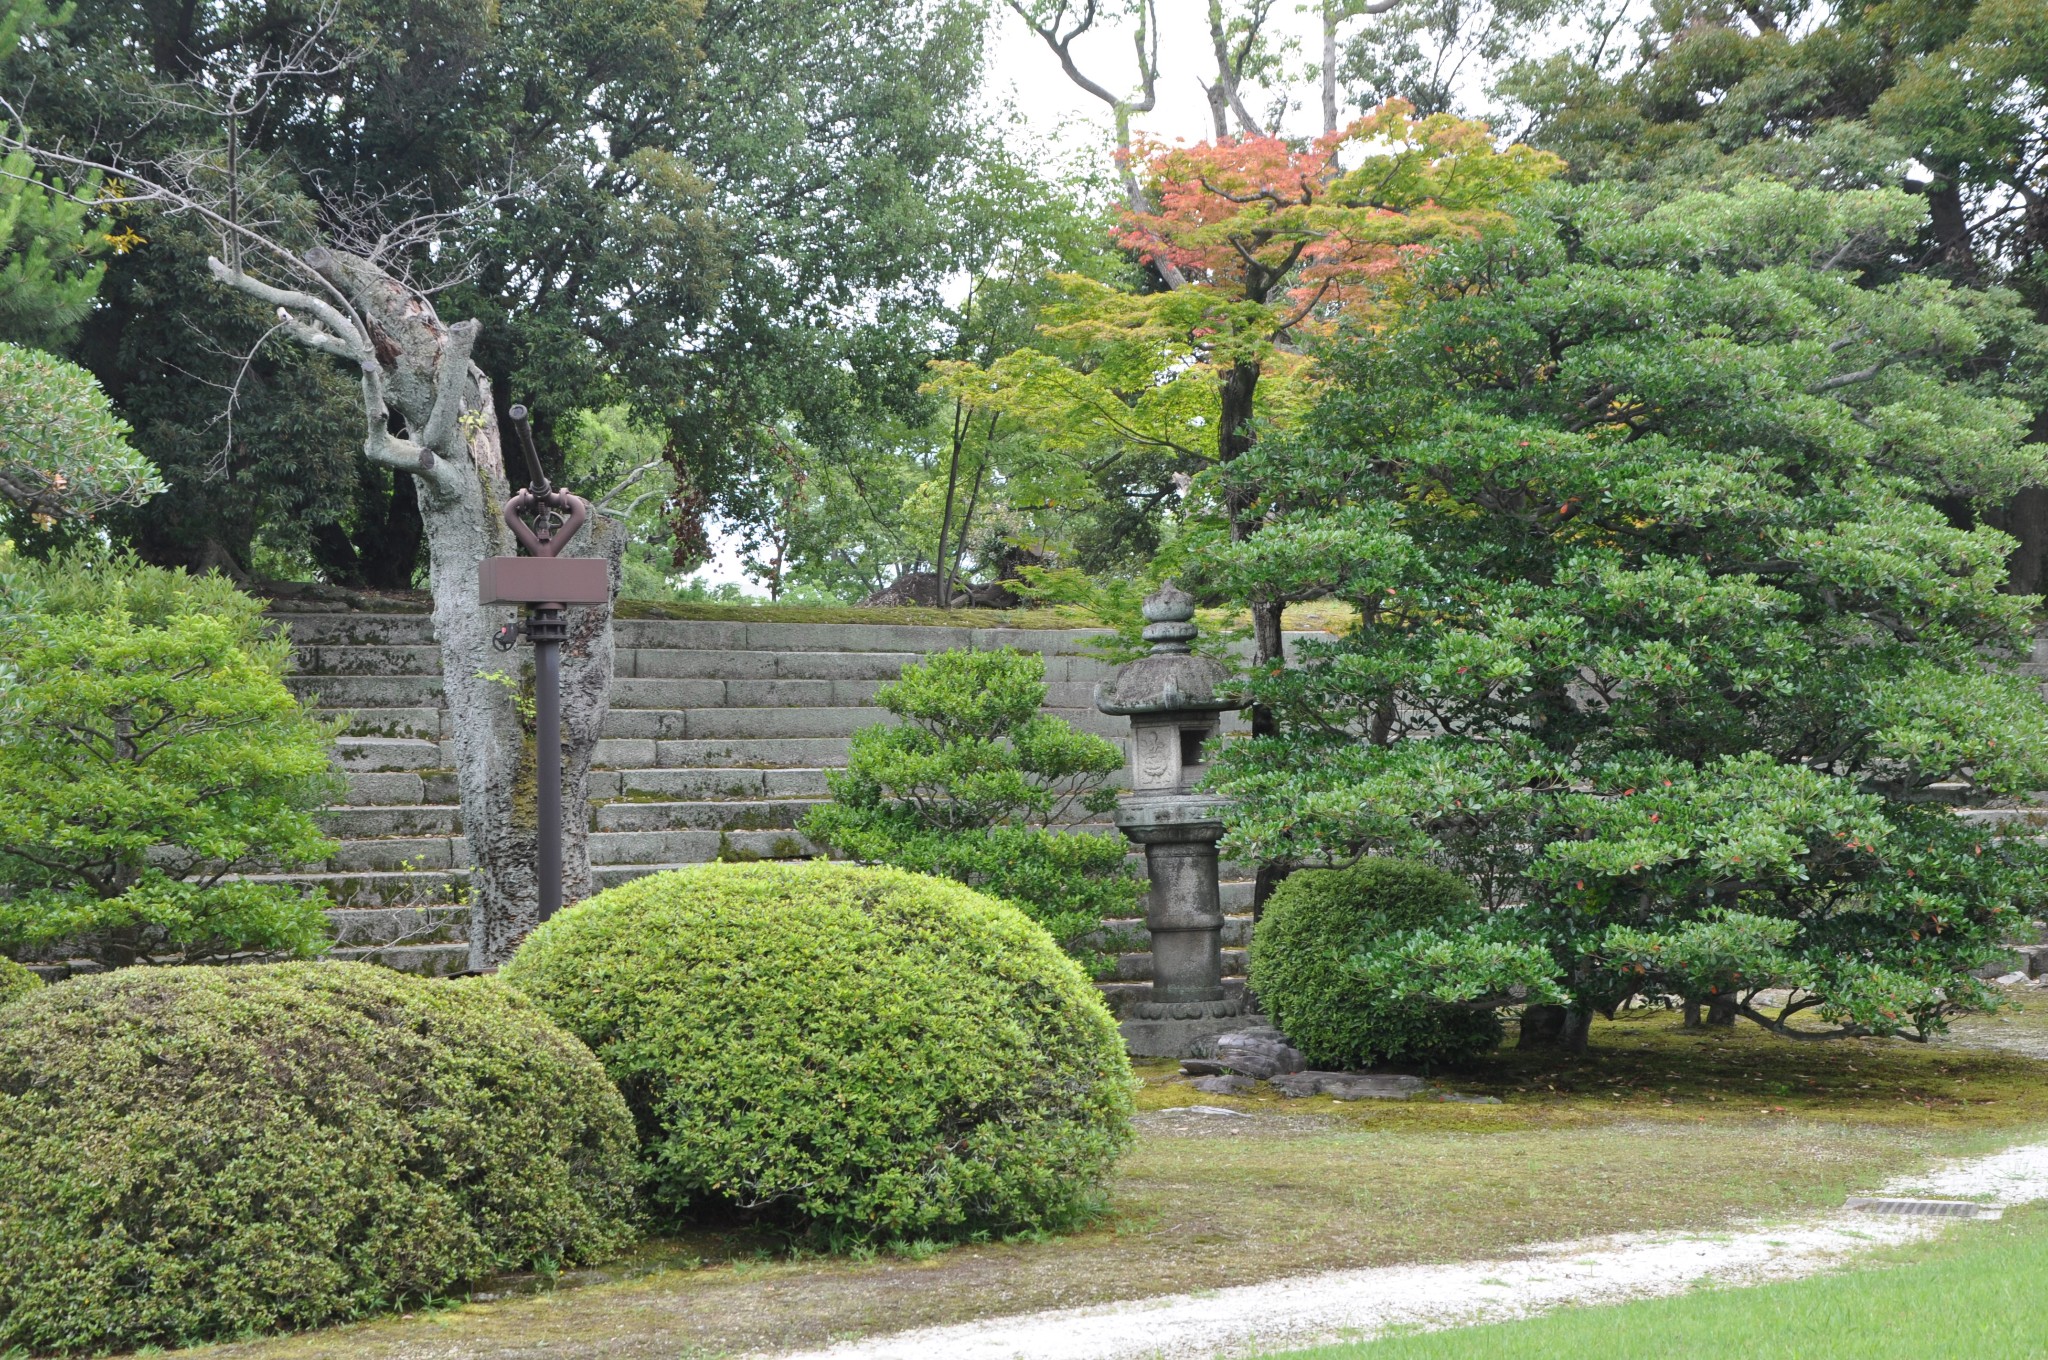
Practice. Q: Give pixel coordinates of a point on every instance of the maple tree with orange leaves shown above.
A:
(1259, 243)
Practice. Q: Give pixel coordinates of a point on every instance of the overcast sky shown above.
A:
(1025, 69)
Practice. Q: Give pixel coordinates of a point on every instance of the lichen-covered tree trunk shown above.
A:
(416, 370)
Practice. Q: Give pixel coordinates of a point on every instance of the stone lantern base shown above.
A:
(1188, 1005)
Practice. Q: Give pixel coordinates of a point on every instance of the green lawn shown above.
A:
(1971, 1294)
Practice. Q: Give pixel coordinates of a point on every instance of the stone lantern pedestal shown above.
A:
(1172, 700)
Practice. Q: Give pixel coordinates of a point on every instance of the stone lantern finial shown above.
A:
(1169, 620)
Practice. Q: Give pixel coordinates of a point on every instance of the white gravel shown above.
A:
(1356, 1304)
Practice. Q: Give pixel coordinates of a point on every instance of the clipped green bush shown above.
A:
(976, 784)
(192, 1153)
(869, 1053)
(1317, 922)
(149, 753)
(16, 981)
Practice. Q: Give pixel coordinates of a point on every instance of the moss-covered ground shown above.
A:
(1657, 1128)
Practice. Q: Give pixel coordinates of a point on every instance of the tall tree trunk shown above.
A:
(946, 519)
(1329, 71)
(1234, 436)
(418, 368)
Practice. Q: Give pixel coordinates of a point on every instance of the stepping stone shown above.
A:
(1254, 1055)
(1357, 1086)
(1228, 1085)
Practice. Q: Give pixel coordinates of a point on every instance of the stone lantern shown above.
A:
(1172, 700)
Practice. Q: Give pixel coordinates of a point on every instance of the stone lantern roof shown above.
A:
(1172, 679)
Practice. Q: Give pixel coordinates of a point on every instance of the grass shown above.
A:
(1971, 1294)
(1659, 1128)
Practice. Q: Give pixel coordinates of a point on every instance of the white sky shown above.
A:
(1025, 69)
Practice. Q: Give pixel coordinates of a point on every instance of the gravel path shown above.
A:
(1355, 1304)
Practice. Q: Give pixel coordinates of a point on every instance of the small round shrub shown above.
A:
(191, 1153)
(865, 1052)
(16, 981)
(1316, 921)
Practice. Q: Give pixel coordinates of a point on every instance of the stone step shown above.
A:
(701, 784)
(368, 691)
(415, 819)
(433, 960)
(352, 629)
(388, 753)
(714, 815)
(389, 788)
(797, 753)
(416, 659)
(374, 889)
(742, 724)
(696, 847)
(748, 694)
(843, 637)
(399, 854)
(429, 724)
(386, 926)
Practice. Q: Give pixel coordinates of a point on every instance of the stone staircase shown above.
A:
(717, 744)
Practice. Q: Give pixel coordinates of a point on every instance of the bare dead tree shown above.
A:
(1225, 96)
(1059, 28)
(428, 411)
(1334, 13)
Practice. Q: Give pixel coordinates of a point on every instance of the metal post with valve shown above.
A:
(544, 518)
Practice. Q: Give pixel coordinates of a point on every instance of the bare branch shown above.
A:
(450, 375)
(345, 330)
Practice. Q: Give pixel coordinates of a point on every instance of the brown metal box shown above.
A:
(544, 580)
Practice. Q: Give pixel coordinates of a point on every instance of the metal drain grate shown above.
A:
(1925, 1208)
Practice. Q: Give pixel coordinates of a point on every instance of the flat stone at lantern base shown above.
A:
(1182, 1038)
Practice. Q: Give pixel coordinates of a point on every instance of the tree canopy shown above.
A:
(672, 206)
(1662, 635)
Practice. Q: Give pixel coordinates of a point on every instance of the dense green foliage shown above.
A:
(1317, 921)
(873, 1054)
(149, 751)
(49, 242)
(1662, 639)
(193, 1153)
(63, 451)
(976, 784)
(16, 981)
(726, 183)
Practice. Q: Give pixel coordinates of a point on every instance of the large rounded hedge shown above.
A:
(1316, 921)
(16, 981)
(871, 1053)
(189, 1153)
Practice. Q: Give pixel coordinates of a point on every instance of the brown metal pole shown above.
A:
(546, 629)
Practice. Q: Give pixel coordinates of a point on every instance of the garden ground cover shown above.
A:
(1970, 1294)
(1657, 1129)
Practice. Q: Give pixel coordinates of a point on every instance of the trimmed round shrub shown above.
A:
(16, 981)
(1316, 921)
(869, 1053)
(191, 1153)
